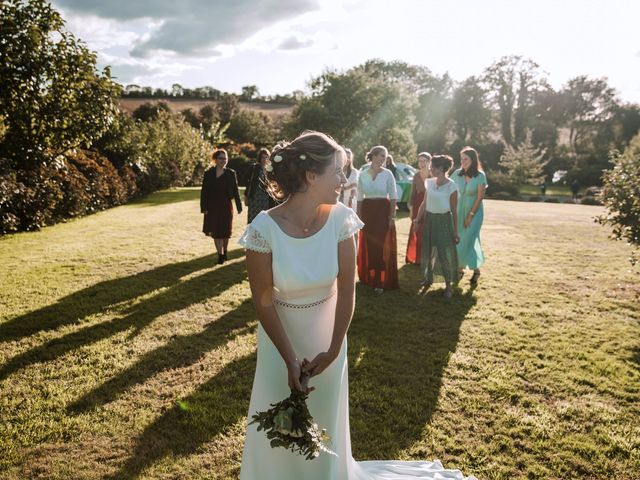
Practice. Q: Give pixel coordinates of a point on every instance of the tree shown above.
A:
(511, 81)
(52, 96)
(590, 103)
(177, 90)
(469, 113)
(227, 107)
(523, 164)
(357, 108)
(621, 196)
(149, 111)
(249, 126)
(249, 92)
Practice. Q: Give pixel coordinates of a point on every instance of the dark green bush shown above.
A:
(83, 182)
(551, 200)
(590, 201)
(500, 183)
(504, 196)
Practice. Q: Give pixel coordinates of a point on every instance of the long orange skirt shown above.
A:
(414, 245)
(377, 249)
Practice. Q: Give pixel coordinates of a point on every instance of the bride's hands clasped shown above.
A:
(318, 364)
(297, 376)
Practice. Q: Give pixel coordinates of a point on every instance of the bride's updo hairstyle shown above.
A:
(290, 161)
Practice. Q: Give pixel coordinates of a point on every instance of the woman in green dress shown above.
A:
(472, 183)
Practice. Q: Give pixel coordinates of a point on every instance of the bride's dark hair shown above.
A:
(311, 151)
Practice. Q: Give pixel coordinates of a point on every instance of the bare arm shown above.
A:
(261, 282)
(453, 199)
(476, 205)
(344, 306)
(423, 207)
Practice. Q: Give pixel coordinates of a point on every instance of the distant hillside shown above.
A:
(271, 109)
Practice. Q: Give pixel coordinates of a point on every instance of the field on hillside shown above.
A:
(176, 105)
(126, 352)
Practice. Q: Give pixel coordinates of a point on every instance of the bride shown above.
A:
(301, 262)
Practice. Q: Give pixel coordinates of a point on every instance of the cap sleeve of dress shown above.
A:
(256, 236)
(348, 222)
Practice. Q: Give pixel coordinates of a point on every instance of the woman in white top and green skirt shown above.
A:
(438, 214)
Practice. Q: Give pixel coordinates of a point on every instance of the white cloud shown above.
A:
(295, 42)
(193, 27)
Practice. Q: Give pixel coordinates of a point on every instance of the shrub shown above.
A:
(621, 195)
(500, 183)
(535, 198)
(590, 201)
(551, 200)
(504, 196)
(83, 182)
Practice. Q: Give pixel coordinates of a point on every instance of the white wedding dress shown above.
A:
(304, 279)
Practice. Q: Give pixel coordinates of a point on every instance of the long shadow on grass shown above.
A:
(177, 296)
(399, 347)
(178, 352)
(195, 420)
(100, 297)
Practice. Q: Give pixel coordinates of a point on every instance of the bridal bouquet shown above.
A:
(289, 424)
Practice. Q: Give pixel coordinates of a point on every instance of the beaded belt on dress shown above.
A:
(304, 305)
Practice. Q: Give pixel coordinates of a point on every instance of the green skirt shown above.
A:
(439, 255)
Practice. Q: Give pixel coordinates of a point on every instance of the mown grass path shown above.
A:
(125, 352)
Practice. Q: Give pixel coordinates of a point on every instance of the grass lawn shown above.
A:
(125, 352)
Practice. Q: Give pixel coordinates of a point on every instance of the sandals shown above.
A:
(448, 293)
(474, 278)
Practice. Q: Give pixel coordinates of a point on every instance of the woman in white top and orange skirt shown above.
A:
(438, 214)
(377, 247)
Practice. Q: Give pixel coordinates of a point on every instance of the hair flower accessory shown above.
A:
(303, 157)
(268, 168)
(277, 158)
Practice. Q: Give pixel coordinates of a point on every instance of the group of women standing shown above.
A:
(446, 213)
(446, 218)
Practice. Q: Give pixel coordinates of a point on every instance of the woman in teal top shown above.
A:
(471, 182)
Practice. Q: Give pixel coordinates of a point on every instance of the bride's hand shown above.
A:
(318, 364)
(294, 371)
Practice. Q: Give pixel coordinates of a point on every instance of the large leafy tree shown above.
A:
(590, 104)
(470, 115)
(52, 97)
(359, 108)
(512, 81)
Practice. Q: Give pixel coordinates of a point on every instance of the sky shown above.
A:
(279, 45)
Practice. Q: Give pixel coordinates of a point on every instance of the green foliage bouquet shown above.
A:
(289, 424)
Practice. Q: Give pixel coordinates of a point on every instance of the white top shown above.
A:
(384, 186)
(290, 274)
(439, 197)
(351, 188)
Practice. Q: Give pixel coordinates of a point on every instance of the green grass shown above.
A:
(125, 352)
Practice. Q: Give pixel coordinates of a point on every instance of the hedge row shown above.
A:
(80, 183)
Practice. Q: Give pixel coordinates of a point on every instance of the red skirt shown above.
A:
(414, 245)
(377, 250)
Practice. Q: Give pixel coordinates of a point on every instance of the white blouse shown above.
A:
(438, 197)
(384, 185)
(352, 189)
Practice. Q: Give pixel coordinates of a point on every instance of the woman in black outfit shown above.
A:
(219, 186)
(256, 196)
